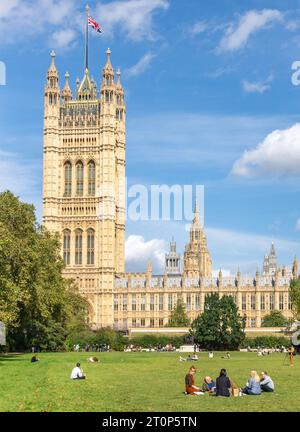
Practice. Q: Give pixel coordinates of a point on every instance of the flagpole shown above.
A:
(87, 38)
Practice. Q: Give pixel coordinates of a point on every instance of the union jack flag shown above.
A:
(94, 24)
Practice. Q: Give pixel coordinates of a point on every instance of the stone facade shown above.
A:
(84, 201)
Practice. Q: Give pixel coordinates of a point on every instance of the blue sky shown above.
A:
(205, 82)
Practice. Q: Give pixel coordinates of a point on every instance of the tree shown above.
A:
(295, 297)
(38, 306)
(220, 326)
(274, 319)
(178, 317)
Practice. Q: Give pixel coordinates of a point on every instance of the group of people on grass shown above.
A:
(94, 348)
(223, 386)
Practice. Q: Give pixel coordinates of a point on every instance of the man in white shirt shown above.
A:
(77, 372)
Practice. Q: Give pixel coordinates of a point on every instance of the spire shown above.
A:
(196, 212)
(67, 92)
(149, 267)
(119, 85)
(108, 72)
(86, 89)
(52, 91)
(295, 267)
(52, 74)
(52, 67)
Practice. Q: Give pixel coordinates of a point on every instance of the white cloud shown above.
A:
(34, 18)
(140, 66)
(7, 7)
(133, 17)
(257, 87)
(246, 250)
(138, 252)
(223, 144)
(197, 28)
(278, 154)
(236, 36)
(64, 38)
(298, 225)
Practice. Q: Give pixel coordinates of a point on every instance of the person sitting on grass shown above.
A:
(93, 360)
(34, 359)
(223, 384)
(209, 385)
(266, 382)
(226, 356)
(194, 357)
(77, 372)
(190, 386)
(253, 385)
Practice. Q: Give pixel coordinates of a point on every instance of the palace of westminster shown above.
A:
(84, 201)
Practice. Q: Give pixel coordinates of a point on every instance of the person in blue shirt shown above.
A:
(209, 385)
(253, 385)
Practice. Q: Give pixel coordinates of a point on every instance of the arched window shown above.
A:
(79, 178)
(68, 179)
(66, 246)
(91, 178)
(90, 246)
(78, 246)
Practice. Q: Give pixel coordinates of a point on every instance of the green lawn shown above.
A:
(139, 382)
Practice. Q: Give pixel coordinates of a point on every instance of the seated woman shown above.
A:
(223, 384)
(253, 385)
(208, 385)
(93, 360)
(190, 386)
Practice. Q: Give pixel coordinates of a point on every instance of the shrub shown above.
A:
(114, 339)
(266, 341)
(146, 340)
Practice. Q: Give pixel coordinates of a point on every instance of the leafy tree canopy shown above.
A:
(274, 319)
(220, 326)
(179, 317)
(38, 306)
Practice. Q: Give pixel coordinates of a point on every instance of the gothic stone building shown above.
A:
(84, 201)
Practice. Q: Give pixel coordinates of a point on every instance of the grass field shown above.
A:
(139, 382)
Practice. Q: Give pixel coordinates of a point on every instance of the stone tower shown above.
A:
(197, 260)
(270, 262)
(172, 260)
(84, 182)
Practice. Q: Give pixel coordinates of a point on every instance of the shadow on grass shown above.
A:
(10, 357)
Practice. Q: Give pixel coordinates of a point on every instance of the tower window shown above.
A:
(90, 246)
(79, 178)
(91, 177)
(66, 246)
(68, 179)
(78, 246)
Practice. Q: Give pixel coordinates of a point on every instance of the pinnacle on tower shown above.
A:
(108, 72)
(52, 66)
(67, 92)
(149, 266)
(196, 214)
